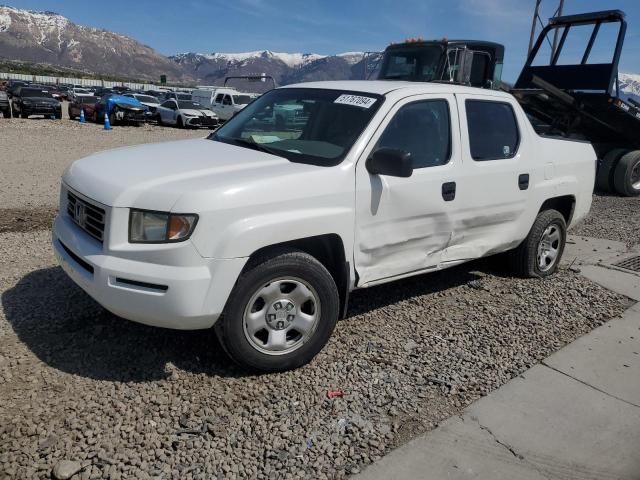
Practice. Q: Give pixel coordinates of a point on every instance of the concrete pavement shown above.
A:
(574, 416)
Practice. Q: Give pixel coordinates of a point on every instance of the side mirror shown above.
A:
(391, 162)
(463, 74)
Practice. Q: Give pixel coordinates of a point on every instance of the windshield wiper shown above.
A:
(256, 146)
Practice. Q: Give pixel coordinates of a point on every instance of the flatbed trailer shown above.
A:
(582, 100)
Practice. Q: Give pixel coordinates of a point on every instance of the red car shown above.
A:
(82, 102)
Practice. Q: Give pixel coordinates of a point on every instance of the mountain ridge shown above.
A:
(45, 37)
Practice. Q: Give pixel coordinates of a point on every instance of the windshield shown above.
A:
(305, 125)
(188, 104)
(34, 92)
(146, 98)
(241, 99)
(417, 64)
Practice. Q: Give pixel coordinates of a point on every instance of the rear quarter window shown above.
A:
(493, 130)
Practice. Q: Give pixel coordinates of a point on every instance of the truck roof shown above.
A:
(384, 87)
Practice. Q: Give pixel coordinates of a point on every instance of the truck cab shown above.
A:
(261, 232)
(229, 101)
(466, 62)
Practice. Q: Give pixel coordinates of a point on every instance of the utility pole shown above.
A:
(537, 20)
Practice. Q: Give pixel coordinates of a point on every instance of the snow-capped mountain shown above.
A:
(630, 85)
(284, 67)
(47, 37)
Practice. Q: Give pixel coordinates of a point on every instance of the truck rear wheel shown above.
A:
(626, 178)
(604, 178)
(281, 312)
(540, 253)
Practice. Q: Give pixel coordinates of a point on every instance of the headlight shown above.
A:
(189, 115)
(159, 227)
(26, 102)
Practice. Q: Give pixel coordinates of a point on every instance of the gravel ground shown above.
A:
(122, 400)
(613, 218)
(81, 389)
(34, 152)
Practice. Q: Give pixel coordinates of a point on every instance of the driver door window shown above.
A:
(424, 130)
(227, 100)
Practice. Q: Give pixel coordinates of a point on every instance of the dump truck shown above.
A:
(578, 100)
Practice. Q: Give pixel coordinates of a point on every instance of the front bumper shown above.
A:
(201, 121)
(41, 110)
(178, 297)
(130, 116)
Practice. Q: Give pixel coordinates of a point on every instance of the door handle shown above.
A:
(449, 191)
(523, 181)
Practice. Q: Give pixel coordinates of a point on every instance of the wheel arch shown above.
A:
(565, 204)
(328, 249)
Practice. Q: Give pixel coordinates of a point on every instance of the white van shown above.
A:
(228, 101)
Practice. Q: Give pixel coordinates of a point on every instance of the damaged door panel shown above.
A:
(406, 224)
(495, 210)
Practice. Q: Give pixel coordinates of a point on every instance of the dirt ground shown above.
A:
(34, 153)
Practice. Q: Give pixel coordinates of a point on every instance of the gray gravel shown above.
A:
(83, 390)
(127, 401)
(34, 152)
(613, 218)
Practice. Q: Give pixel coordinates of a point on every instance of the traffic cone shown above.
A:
(107, 123)
(82, 119)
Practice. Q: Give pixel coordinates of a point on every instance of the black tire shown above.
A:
(263, 271)
(94, 117)
(112, 118)
(6, 113)
(58, 116)
(71, 117)
(159, 120)
(524, 259)
(626, 178)
(606, 170)
(179, 123)
(24, 115)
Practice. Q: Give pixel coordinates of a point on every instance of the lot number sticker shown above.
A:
(355, 100)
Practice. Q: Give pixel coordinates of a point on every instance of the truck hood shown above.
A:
(156, 176)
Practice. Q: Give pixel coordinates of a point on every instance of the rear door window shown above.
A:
(493, 130)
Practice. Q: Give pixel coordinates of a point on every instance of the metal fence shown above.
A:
(85, 82)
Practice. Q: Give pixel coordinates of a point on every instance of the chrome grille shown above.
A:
(87, 216)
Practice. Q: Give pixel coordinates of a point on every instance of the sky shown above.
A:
(328, 26)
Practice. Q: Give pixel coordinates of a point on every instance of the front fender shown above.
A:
(246, 235)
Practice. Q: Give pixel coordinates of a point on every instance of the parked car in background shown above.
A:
(82, 102)
(177, 96)
(76, 93)
(103, 91)
(13, 85)
(184, 114)
(28, 101)
(55, 92)
(228, 102)
(149, 101)
(5, 107)
(120, 110)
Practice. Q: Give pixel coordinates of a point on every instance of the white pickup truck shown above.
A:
(261, 232)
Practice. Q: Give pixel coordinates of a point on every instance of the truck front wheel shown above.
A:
(626, 178)
(281, 312)
(540, 253)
